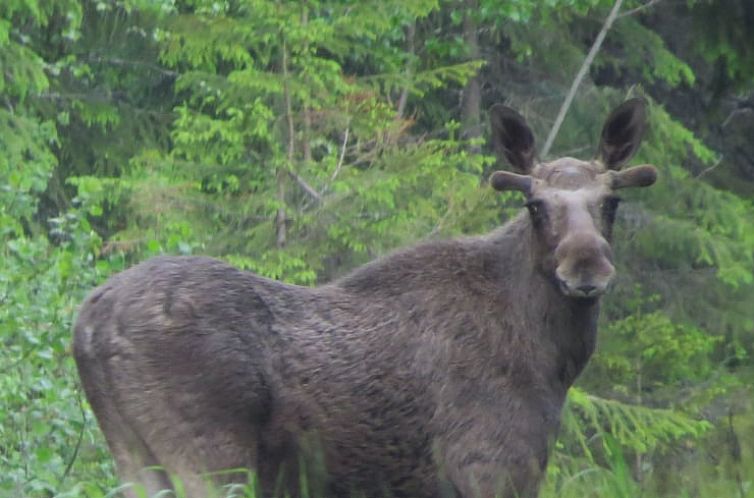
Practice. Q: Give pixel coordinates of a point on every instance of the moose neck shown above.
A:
(494, 283)
(561, 330)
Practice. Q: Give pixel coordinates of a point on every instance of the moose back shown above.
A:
(439, 370)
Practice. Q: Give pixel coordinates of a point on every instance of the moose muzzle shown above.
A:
(584, 265)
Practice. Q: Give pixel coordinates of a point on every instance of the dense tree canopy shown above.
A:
(300, 139)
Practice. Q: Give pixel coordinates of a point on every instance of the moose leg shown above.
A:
(200, 449)
(170, 440)
(487, 456)
(481, 471)
(136, 465)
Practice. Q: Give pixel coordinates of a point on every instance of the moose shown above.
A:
(436, 371)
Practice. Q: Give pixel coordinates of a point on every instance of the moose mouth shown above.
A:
(586, 291)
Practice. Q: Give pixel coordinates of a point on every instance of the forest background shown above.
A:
(300, 139)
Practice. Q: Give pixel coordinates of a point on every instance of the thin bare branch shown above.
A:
(306, 187)
(710, 169)
(580, 76)
(115, 61)
(342, 155)
(638, 9)
(79, 440)
(734, 113)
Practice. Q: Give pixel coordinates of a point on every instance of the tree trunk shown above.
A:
(472, 94)
(282, 170)
(410, 35)
(306, 147)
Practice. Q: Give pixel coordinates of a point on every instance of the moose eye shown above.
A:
(610, 206)
(536, 210)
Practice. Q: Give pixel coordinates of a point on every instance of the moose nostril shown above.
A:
(587, 290)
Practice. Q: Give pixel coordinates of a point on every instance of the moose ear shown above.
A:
(622, 133)
(512, 138)
(638, 176)
(505, 180)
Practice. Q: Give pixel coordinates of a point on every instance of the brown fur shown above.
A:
(439, 370)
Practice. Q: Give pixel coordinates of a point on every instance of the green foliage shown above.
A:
(44, 425)
(725, 39)
(649, 54)
(24, 141)
(650, 354)
(241, 152)
(631, 426)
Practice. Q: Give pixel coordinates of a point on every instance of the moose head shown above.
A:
(572, 203)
